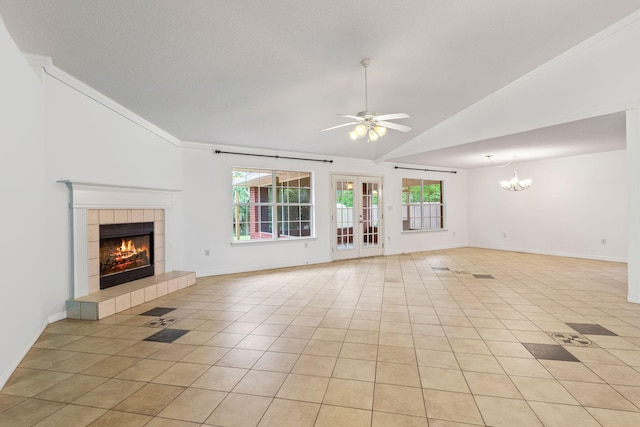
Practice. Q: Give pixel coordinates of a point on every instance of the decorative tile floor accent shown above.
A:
(162, 322)
(572, 339)
(591, 329)
(550, 352)
(167, 335)
(483, 276)
(158, 311)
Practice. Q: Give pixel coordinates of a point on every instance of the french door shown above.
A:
(357, 216)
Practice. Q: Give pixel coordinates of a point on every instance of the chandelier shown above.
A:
(515, 183)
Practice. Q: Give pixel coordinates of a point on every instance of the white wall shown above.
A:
(573, 204)
(22, 172)
(207, 211)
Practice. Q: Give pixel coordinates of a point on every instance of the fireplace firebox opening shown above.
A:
(126, 253)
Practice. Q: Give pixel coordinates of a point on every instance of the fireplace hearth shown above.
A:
(126, 253)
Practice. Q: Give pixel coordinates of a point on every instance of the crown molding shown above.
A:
(47, 66)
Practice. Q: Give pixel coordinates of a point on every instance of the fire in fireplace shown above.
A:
(126, 253)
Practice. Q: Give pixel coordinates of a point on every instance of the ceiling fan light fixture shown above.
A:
(361, 130)
(366, 122)
(380, 130)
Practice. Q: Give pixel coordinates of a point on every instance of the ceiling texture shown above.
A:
(270, 74)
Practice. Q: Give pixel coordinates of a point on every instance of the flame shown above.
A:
(126, 249)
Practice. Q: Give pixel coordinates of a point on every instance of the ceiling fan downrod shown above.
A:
(365, 63)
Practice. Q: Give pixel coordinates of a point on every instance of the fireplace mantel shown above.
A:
(104, 196)
(84, 196)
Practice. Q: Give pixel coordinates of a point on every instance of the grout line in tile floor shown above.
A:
(440, 338)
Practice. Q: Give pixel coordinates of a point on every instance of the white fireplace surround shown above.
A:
(85, 196)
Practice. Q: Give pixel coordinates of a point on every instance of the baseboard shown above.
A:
(552, 253)
(57, 316)
(634, 299)
(6, 374)
(219, 272)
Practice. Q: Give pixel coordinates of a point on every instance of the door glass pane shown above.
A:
(370, 214)
(344, 215)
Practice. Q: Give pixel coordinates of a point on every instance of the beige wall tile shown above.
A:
(148, 215)
(93, 250)
(94, 284)
(73, 309)
(150, 293)
(123, 302)
(121, 216)
(94, 268)
(137, 215)
(88, 311)
(191, 279)
(93, 216)
(106, 308)
(93, 233)
(137, 297)
(106, 216)
(159, 269)
(161, 289)
(172, 285)
(158, 227)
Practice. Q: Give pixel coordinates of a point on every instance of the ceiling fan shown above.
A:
(369, 123)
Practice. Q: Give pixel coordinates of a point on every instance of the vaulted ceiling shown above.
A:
(270, 74)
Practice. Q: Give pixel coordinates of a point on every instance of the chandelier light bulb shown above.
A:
(353, 135)
(373, 136)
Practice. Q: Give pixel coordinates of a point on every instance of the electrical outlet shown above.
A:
(504, 235)
(603, 241)
(206, 252)
(306, 245)
(454, 234)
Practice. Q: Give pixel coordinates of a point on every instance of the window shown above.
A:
(422, 207)
(271, 204)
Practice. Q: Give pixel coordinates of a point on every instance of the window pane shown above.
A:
(305, 195)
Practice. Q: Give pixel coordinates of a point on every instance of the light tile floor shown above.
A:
(411, 340)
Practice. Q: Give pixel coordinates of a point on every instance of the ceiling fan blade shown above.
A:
(351, 117)
(396, 126)
(339, 126)
(392, 116)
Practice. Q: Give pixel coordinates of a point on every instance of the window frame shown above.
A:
(271, 200)
(408, 221)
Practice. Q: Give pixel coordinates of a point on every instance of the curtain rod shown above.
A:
(274, 157)
(424, 170)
